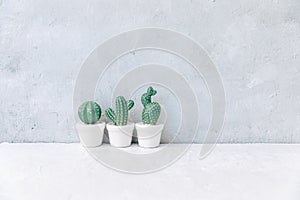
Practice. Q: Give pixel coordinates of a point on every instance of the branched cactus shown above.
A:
(151, 110)
(89, 112)
(120, 116)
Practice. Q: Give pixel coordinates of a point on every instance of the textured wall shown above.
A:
(255, 45)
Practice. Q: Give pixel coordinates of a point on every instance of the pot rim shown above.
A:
(141, 125)
(91, 125)
(111, 125)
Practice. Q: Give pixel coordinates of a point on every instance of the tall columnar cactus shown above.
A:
(151, 110)
(120, 117)
(89, 112)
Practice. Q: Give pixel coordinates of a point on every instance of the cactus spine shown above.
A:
(120, 117)
(89, 112)
(151, 110)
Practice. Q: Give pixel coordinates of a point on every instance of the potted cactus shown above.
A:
(90, 130)
(149, 132)
(119, 132)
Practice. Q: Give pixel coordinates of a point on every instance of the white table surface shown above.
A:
(68, 172)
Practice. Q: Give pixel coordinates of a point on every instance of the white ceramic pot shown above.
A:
(91, 135)
(149, 135)
(120, 136)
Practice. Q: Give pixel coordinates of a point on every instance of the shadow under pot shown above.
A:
(149, 135)
(120, 136)
(91, 135)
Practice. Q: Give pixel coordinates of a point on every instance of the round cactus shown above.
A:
(151, 110)
(89, 112)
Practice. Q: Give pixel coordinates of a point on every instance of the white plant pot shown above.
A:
(91, 135)
(120, 136)
(149, 135)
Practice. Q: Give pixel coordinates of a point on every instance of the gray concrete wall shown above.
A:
(255, 45)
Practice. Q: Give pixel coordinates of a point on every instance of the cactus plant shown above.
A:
(151, 110)
(120, 116)
(89, 112)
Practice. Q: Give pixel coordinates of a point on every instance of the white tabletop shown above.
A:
(68, 172)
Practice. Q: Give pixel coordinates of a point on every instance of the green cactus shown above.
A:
(120, 117)
(151, 110)
(89, 112)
